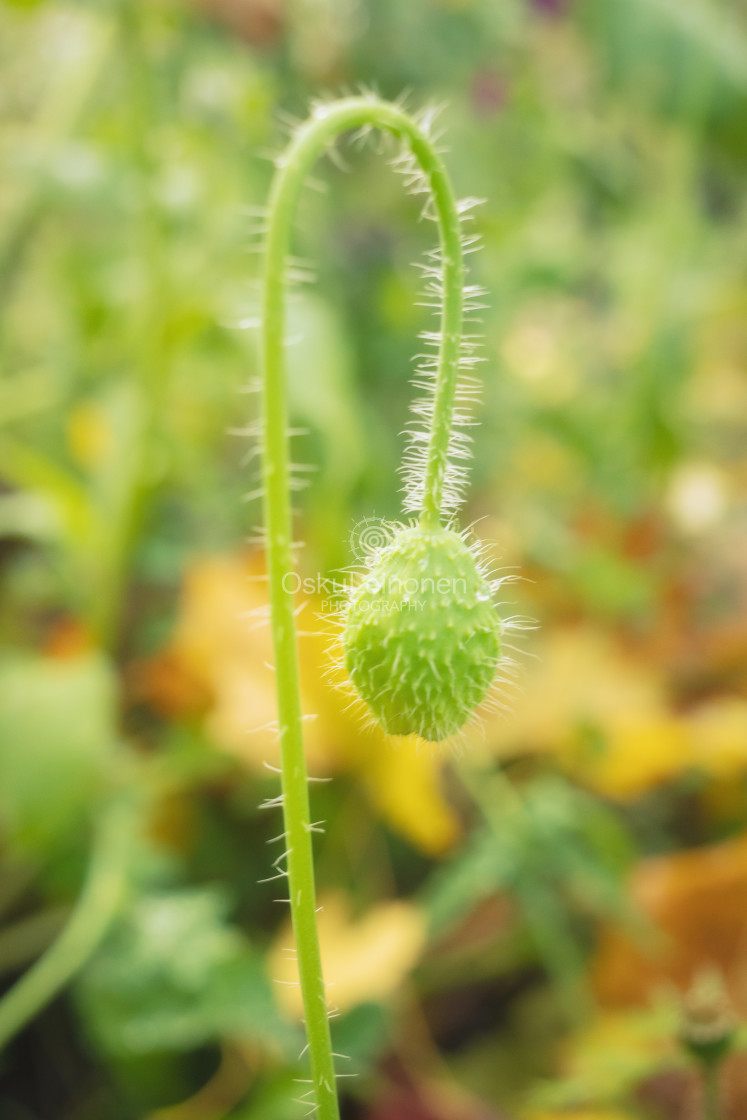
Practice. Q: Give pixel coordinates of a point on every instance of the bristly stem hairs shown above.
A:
(420, 672)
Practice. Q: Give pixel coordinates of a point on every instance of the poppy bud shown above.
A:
(421, 634)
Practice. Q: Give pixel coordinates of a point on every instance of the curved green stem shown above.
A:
(98, 904)
(309, 142)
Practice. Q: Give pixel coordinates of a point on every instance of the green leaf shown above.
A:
(361, 1035)
(70, 514)
(554, 836)
(57, 733)
(325, 401)
(478, 871)
(175, 976)
(274, 1098)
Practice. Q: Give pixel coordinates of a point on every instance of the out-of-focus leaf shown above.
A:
(605, 1062)
(719, 736)
(27, 516)
(175, 975)
(325, 401)
(274, 1098)
(480, 869)
(71, 513)
(551, 835)
(362, 1033)
(582, 842)
(58, 729)
(32, 391)
(695, 903)
(591, 1113)
(700, 34)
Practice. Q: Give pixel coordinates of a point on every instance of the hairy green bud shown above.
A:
(421, 634)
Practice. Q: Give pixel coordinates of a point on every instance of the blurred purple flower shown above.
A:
(488, 92)
(549, 7)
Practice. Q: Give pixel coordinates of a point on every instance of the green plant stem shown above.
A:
(58, 117)
(308, 143)
(711, 1090)
(23, 941)
(125, 502)
(97, 906)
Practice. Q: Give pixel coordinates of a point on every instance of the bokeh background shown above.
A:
(509, 930)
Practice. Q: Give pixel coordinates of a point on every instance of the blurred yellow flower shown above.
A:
(402, 779)
(607, 717)
(219, 662)
(364, 959)
(89, 434)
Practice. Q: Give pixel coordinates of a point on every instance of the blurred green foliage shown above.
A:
(58, 727)
(609, 141)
